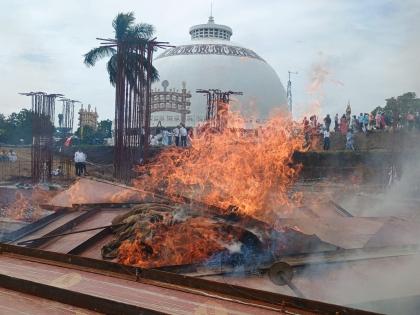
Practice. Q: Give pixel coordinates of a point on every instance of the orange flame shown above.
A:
(24, 209)
(252, 170)
(192, 241)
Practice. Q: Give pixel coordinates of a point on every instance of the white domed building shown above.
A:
(211, 61)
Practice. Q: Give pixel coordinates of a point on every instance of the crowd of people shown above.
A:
(349, 124)
(180, 136)
(9, 156)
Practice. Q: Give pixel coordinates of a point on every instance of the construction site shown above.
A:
(248, 217)
(239, 223)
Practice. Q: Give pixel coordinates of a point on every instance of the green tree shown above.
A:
(126, 31)
(3, 127)
(400, 105)
(104, 129)
(87, 135)
(18, 126)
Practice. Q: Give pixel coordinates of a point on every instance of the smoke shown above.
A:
(399, 198)
(320, 77)
(385, 285)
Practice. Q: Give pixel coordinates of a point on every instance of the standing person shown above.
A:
(343, 125)
(383, 123)
(354, 123)
(348, 112)
(3, 156)
(77, 162)
(349, 140)
(365, 122)
(170, 135)
(326, 139)
(176, 135)
(336, 123)
(360, 120)
(190, 136)
(327, 122)
(371, 121)
(165, 140)
(183, 133)
(378, 120)
(410, 121)
(12, 156)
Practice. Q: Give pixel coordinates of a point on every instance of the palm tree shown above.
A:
(126, 31)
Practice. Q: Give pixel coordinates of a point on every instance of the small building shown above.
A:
(88, 117)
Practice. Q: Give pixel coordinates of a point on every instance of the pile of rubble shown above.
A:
(163, 234)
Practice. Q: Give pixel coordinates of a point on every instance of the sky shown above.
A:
(362, 51)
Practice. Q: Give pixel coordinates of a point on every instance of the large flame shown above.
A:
(251, 170)
(192, 241)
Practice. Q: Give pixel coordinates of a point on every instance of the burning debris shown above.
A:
(21, 209)
(158, 234)
(247, 173)
(251, 170)
(24, 205)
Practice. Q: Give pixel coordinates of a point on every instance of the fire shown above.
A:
(23, 209)
(251, 170)
(192, 241)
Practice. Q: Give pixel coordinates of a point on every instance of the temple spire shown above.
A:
(211, 18)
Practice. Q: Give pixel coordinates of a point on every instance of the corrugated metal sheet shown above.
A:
(146, 295)
(15, 303)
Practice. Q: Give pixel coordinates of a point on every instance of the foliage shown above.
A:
(15, 127)
(401, 105)
(127, 32)
(105, 129)
(91, 136)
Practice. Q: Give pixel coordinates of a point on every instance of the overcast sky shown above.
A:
(358, 50)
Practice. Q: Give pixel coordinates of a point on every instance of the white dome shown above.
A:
(211, 61)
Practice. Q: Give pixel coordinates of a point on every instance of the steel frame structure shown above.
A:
(43, 114)
(132, 103)
(67, 114)
(289, 93)
(217, 105)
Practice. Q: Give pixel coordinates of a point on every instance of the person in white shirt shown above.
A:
(165, 140)
(12, 156)
(326, 139)
(183, 133)
(176, 135)
(80, 162)
(77, 162)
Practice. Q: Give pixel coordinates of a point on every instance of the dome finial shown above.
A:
(211, 18)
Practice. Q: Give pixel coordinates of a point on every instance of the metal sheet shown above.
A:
(395, 232)
(140, 294)
(66, 243)
(91, 191)
(94, 250)
(343, 232)
(16, 303)
(52, 226)
(361, 281)
(204, 288)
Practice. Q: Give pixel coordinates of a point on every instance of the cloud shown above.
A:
(35, 58)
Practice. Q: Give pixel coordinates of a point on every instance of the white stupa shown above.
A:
(211, 61)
